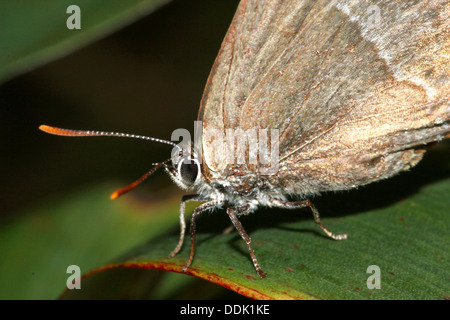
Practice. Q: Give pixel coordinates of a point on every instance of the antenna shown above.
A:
(88, 133)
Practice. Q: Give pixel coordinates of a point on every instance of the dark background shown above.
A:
(146, 79)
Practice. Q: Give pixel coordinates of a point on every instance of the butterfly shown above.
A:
(354, 90)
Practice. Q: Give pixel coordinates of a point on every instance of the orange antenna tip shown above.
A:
(62, 132)
(45, 128)
(114, 195)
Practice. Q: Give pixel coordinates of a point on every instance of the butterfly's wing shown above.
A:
(355, 88)
(249, 50)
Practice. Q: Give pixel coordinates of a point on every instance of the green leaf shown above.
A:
(85, 229)
(35, 32)
(400, 225)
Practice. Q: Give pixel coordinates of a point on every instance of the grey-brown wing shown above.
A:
(354, 90)
(249, 50)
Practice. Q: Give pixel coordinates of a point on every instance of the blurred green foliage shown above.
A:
(35, 32)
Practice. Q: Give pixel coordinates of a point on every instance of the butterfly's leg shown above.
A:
(232, 211)
(184, 200)
(199, 209)
(307, 203)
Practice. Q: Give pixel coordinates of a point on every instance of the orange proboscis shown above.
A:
(131, 186)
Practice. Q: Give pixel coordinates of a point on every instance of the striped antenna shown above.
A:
(87, 133)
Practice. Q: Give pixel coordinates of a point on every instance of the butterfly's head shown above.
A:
(185, 169)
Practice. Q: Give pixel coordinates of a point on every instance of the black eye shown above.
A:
(189, 171)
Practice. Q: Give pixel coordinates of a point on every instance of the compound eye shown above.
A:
(189, 171)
